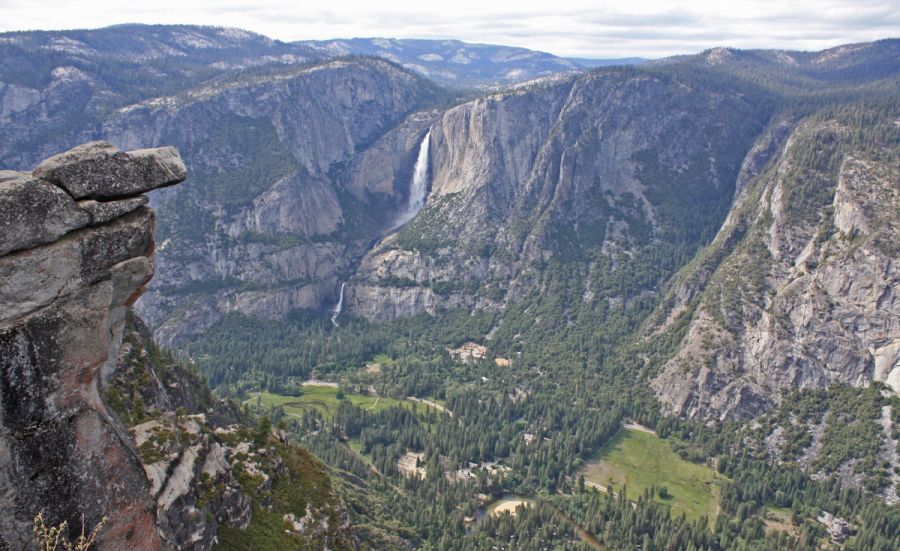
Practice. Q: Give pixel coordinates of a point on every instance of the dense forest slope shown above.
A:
(221, 479)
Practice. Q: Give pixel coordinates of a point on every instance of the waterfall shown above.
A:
(336, 311)
(418, 190)
(419, 186)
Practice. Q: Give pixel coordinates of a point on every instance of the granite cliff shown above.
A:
(294, 170)
(71, 267)
(283, 197)
(799, 288)
(575, 171)
(581, 176)
(95, 425)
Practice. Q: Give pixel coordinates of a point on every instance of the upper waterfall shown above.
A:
(418, 188)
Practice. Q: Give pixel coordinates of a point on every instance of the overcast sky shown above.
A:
(599, 28)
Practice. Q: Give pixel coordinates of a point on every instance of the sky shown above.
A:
(574, 28)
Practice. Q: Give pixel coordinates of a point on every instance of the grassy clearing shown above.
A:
(638, 460)
(778, 519)
(324, 399)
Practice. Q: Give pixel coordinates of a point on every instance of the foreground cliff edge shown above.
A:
(94, 427)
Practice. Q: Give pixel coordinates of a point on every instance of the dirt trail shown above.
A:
(435, 405)
(316, 382)
(599, 487)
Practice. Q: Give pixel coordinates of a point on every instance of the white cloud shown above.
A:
(602, 28)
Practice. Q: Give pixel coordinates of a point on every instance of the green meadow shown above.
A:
(324, 399)
(637, 460)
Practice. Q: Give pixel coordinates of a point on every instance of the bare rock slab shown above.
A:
(33, 212)
(99, 170)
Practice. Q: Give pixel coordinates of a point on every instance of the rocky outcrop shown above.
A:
(98, 170)
(172, 420)
(798, 290)
(64, 290)
(96, 421)
(206, 468)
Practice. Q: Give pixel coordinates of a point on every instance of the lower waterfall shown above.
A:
(336, 311)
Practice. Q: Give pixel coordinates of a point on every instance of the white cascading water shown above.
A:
(419, 186)
(418, 189)
(338, 307)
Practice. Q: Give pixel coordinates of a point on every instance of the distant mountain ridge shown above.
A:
(457, 63)
(155, 57)
(178, 55)
(854, 64)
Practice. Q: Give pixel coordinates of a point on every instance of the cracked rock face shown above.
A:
(34, 212)
(796, 302)
(68, 271)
